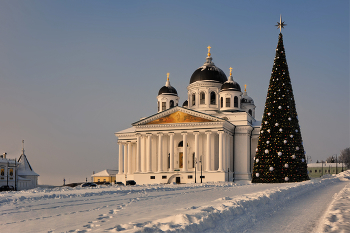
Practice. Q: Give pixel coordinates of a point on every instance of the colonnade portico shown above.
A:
(160, 152)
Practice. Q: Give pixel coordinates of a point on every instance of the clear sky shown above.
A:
(72, 73)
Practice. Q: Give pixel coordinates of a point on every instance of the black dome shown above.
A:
(185, 104)
(208, 73)
(230, 86)
(167, 90)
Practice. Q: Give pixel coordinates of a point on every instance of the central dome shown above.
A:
(208, 72)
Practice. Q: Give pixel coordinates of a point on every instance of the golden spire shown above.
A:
(209, 54)
(167, 76)
(245, 87)
(230, 71)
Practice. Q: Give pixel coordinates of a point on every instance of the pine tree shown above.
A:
(280, 155)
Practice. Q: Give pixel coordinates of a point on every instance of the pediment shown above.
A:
(178, 115)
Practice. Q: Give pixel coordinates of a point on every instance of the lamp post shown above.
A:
(201, 169)
(336, 164)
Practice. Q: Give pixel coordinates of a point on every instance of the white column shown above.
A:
(208, 159)
(228, 149)
(171, 152)
(184, 140)
(143, 154)
(160, 152)
(125, 158)
(224, 151)
(149, 153)
(196, 148)
(129, 158)
(138, 153)
(120, 165)
(220, 150)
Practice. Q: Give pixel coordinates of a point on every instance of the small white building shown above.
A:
(214, 131)
(18, 174)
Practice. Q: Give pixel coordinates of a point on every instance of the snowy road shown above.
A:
(225, 207)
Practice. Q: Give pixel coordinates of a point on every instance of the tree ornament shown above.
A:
(291, 135)
(286, 178)
(276, 124)
(279, 107)
(266, 151)
(280, 129)
(286, 165)
(265, 122)
(268, 130)
(269, 114)
(257, 160)
(285, 141)
(257, 174)
(267, 142)
(302, 160)
(297, 148)
(289, 118)
(256, 149)
(293, 156)
(271, 169)
(279, 153)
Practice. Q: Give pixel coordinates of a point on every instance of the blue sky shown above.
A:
(74, 72)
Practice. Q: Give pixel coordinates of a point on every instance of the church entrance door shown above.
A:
(181, 160)
(178, 180)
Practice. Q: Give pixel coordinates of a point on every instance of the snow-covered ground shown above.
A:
(319, 205)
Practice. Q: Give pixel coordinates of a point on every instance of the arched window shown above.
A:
(228, 102)
(158, 106)
(250, 112)
(222, 102)
(163, 106)
(193, 99)
(181, 144)
(171, 103)
(236, 102)
(212, 98)
(202, 98)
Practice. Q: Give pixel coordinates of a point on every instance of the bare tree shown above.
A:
(345, 157)
(331, 159)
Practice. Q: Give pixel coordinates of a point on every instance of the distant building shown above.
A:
(18, 174)
(319, 169)
(107, 175)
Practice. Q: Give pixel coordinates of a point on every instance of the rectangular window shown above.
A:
(163, 106)
(189, 176)
(2, 173)
(164, 177)
(228, 102)
(319, 170)
(310, 171)
(315, 171)
(98, 180)
(153, 177)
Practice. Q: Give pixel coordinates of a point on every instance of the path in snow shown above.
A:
(301, 214)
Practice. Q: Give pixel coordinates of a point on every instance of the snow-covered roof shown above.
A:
(325, 165)
(24, 168)
(107, 172)
(128, 130)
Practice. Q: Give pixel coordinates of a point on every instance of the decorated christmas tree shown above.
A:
(280, 155)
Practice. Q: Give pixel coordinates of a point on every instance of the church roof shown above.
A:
(24, 168)
(189, 115)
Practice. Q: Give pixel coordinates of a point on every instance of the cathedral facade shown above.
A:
(212, 137)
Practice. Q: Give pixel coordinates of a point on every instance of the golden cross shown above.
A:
(167, 75)
(209, 50)
(245, 87)
(230, 71)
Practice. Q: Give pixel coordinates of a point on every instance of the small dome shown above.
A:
(247, 99)
(185, 104)
(167, 90)
(208, 72)
(230, 86)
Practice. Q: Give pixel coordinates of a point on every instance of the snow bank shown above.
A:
(337, 218)
(227, 213)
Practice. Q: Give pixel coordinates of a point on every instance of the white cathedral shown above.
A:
(214, 133)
